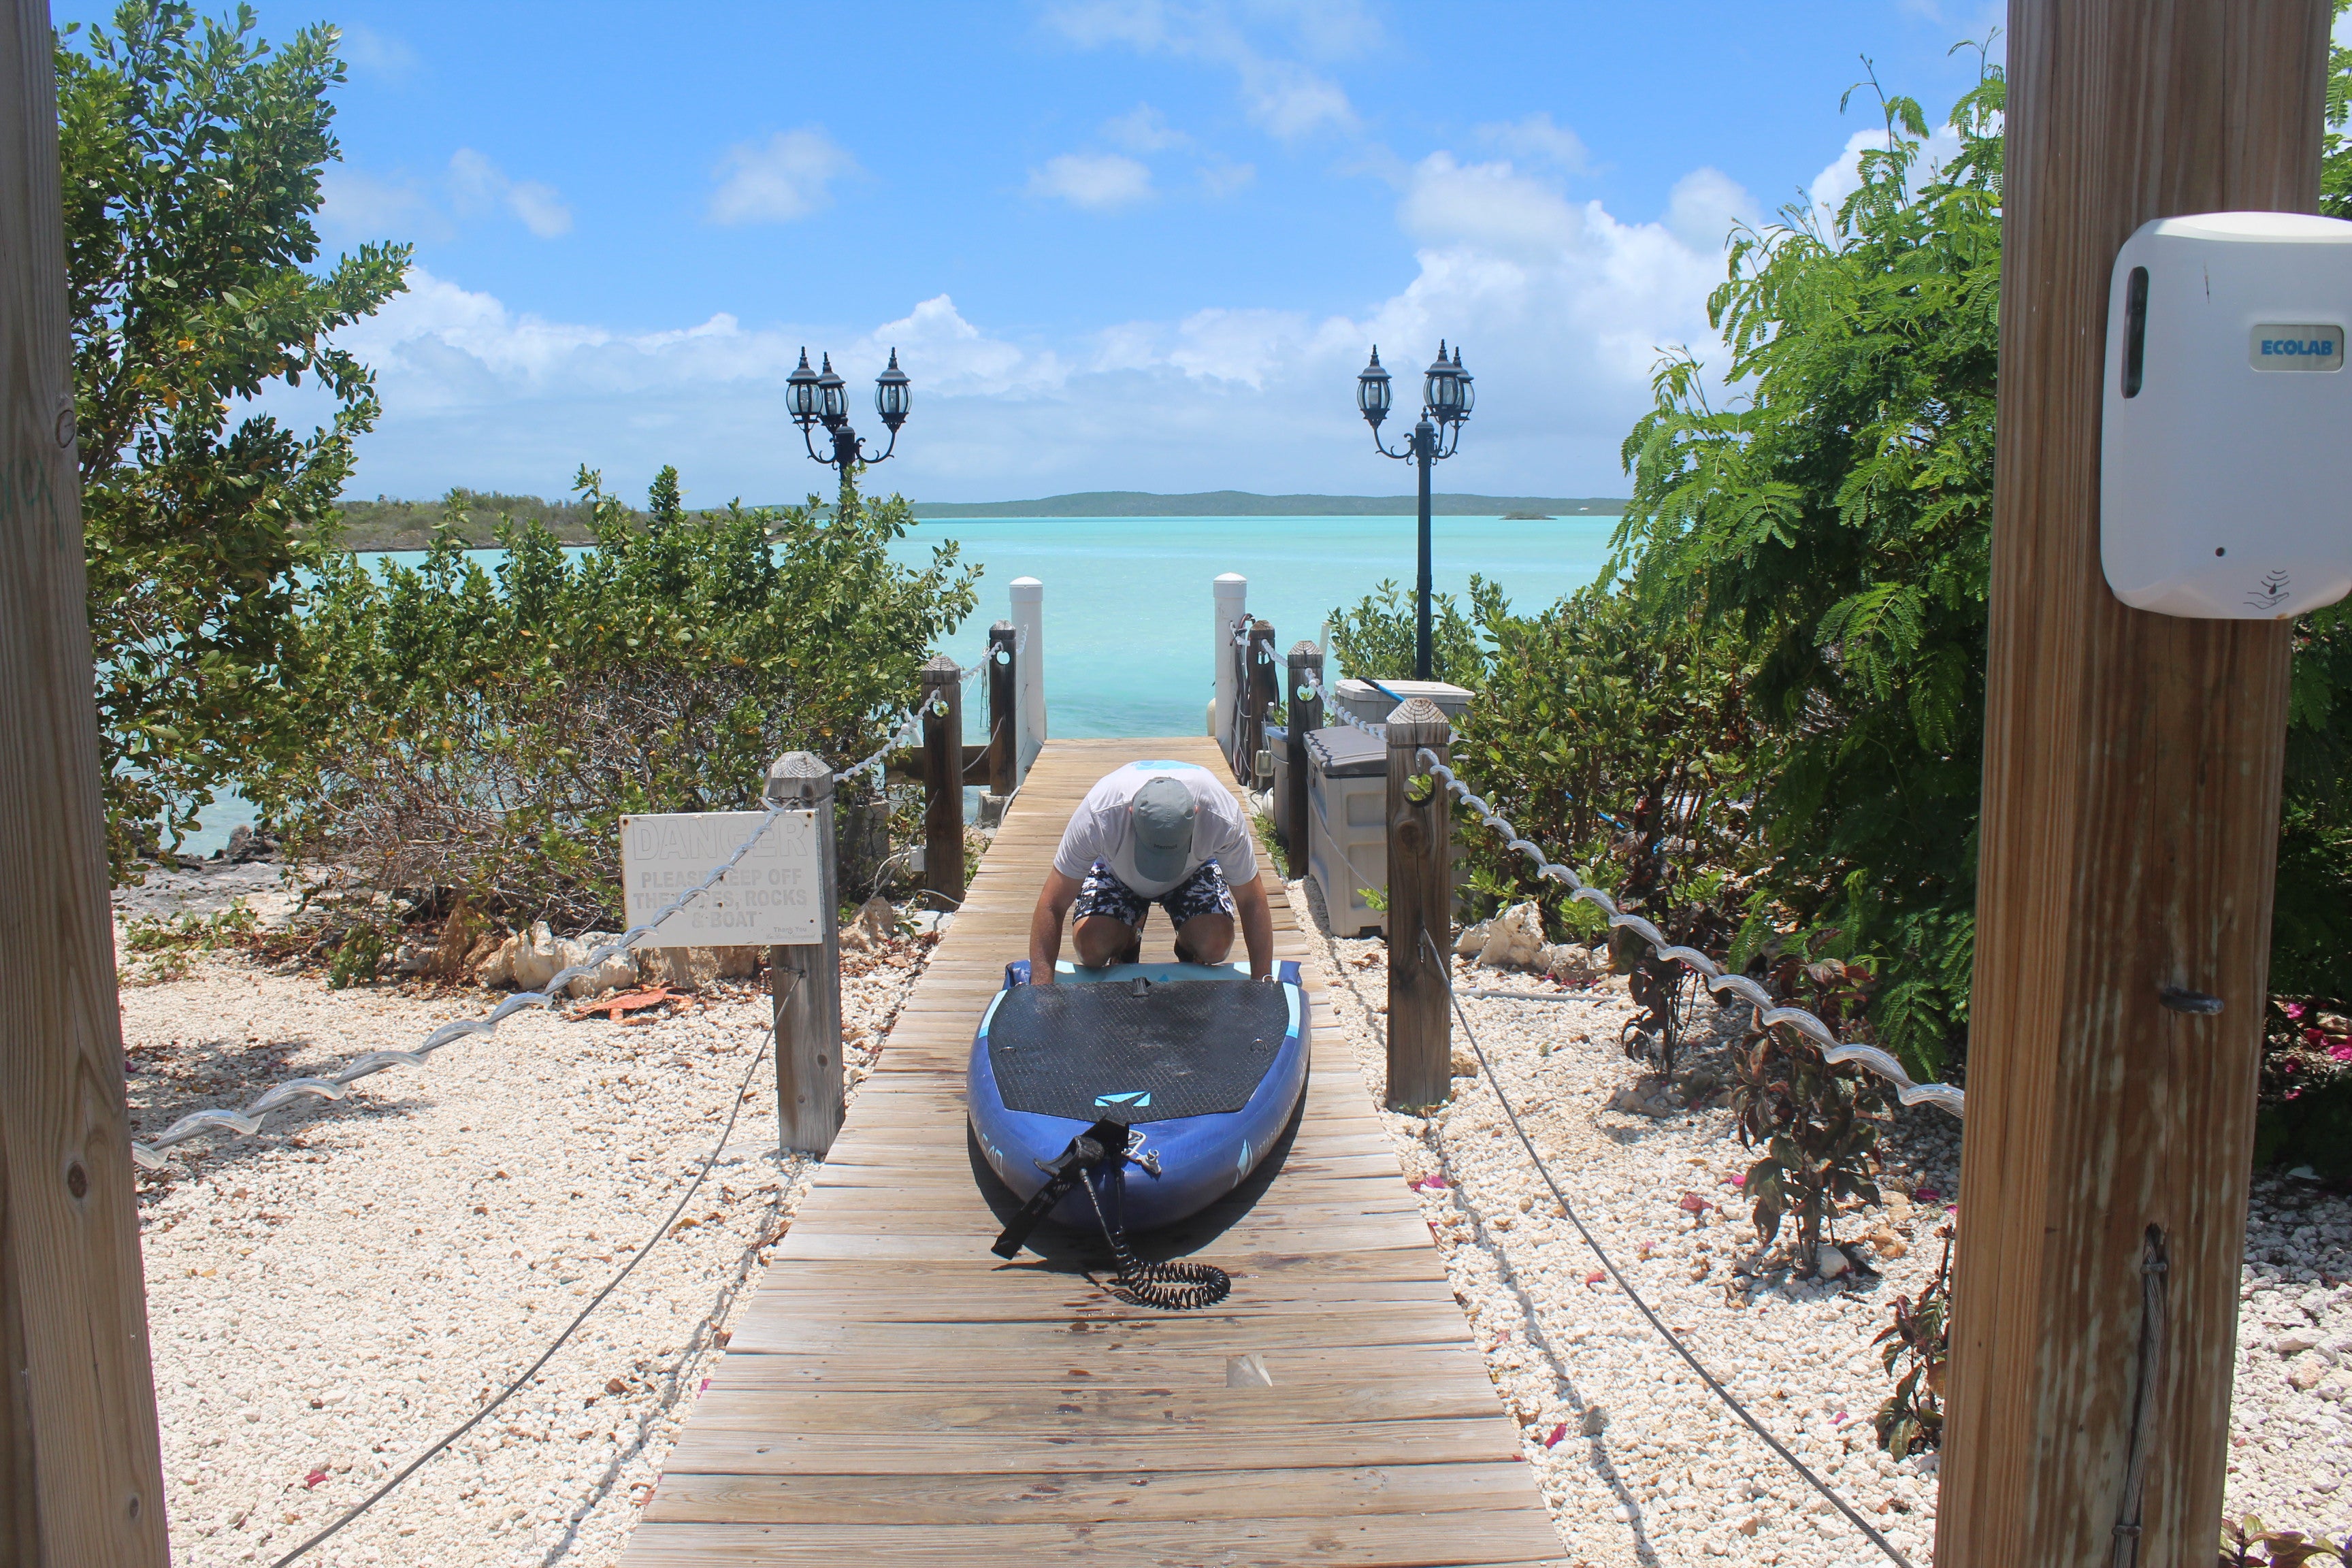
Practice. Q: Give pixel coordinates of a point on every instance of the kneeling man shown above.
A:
(1153, 833)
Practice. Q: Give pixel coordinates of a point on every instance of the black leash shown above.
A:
(1176, 1286)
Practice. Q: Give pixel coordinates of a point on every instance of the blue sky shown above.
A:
(1120, 244)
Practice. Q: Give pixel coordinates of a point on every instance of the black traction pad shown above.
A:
(1135, 1051)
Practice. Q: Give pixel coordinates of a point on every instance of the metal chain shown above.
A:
(1568, 1209)
(1941, 1095)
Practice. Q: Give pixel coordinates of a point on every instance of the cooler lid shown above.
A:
(1344, 751)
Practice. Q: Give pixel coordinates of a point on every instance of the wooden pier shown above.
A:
(895, 1395)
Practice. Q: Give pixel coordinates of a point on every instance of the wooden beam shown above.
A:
(1421, 911)
(804, 978)
(81, 1471)
(943, 765)
(2130, 831)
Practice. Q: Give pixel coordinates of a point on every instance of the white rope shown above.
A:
(279, 1096)
(1772, 1016)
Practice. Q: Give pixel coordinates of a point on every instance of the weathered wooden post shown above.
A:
(1265, 691)
(82, 1479)
(1003, 719)
(2129, 836)
(1305, 709)
(807, 978)
(943, 780)
(1420, 911)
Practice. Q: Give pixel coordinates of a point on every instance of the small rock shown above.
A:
(1468, 943)
(1570, 963)
(2294, 1342)
(498, 968)
(1595, 1420)
(1464, 1064)
(617, 972)
(1514, 939)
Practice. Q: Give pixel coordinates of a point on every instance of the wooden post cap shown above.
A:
(801, 778)
(941, 671)
(1418, 722)
(1305, 649)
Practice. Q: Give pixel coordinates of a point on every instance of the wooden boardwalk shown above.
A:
(895, 1395)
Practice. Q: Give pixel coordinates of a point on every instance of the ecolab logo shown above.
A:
(2321, 346)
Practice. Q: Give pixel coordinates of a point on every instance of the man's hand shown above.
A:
(1053, 901)
(1257, 926)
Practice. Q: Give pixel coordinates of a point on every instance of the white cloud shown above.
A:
(375, 54)
(1144, 129)
(479, 185)
(360, 205)
(1536, 138)
(786, 177)
(1220, 178)
(1097, 182)
(1280, 94)
(1705, 205)
(1561, 308)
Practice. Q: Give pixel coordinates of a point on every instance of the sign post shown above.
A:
(804, 973)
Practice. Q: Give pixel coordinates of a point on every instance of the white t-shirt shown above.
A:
(1100, 829)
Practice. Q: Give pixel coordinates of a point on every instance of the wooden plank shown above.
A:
(82, 1482)
(1036, 1497)
(1466, 1540)
(2131, 789)
(896, 1393)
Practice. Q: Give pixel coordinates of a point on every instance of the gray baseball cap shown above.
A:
(1162, 814)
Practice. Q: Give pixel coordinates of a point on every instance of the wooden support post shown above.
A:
(1265, 690)
(1421, 904)
(2130, 831)
(1306, 712)
(943, 780)
(81, 1476)
(806, 979)
(1004, 719)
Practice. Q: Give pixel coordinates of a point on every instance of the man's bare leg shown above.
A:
(1098, 941)
(1205, 938)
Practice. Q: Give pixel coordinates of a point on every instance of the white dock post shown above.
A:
(1028, 596)
(1233, 601)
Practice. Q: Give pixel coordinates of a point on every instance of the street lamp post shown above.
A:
(1445, 404)
(823, 398)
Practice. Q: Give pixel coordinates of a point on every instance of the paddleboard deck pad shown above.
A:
(1203, 1066)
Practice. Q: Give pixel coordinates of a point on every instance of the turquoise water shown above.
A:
(1128, 603)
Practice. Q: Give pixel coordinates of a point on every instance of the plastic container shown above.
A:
(1347, 839)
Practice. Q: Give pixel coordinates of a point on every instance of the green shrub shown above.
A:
(1374, 640)
(191, 159)
(479, 733)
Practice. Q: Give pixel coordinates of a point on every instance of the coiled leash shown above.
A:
(1177, 1285)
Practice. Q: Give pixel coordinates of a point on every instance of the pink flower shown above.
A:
(2342, 1053)
(1928, 1195)
(314, 1477)
(2296, 1011)
(1735, 1181)
(1557, 1434)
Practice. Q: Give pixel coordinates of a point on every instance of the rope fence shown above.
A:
(248, 1120)
(1768, 1012)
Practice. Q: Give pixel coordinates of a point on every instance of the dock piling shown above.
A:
(805, 978)
(1421, 911)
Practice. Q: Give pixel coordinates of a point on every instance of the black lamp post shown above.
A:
(1445, 398)
(823, 398)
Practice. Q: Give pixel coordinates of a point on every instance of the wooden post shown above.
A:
(1421, 902)
(81, 1476)
(1306, 711)
(943, 780)
(1265, 690)
(806, 979)
(2130, 830)
(1003, 719)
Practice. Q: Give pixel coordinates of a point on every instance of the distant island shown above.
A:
(1244, 503)
(387, 524)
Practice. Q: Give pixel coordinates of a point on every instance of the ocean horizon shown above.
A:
(1130, 603)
